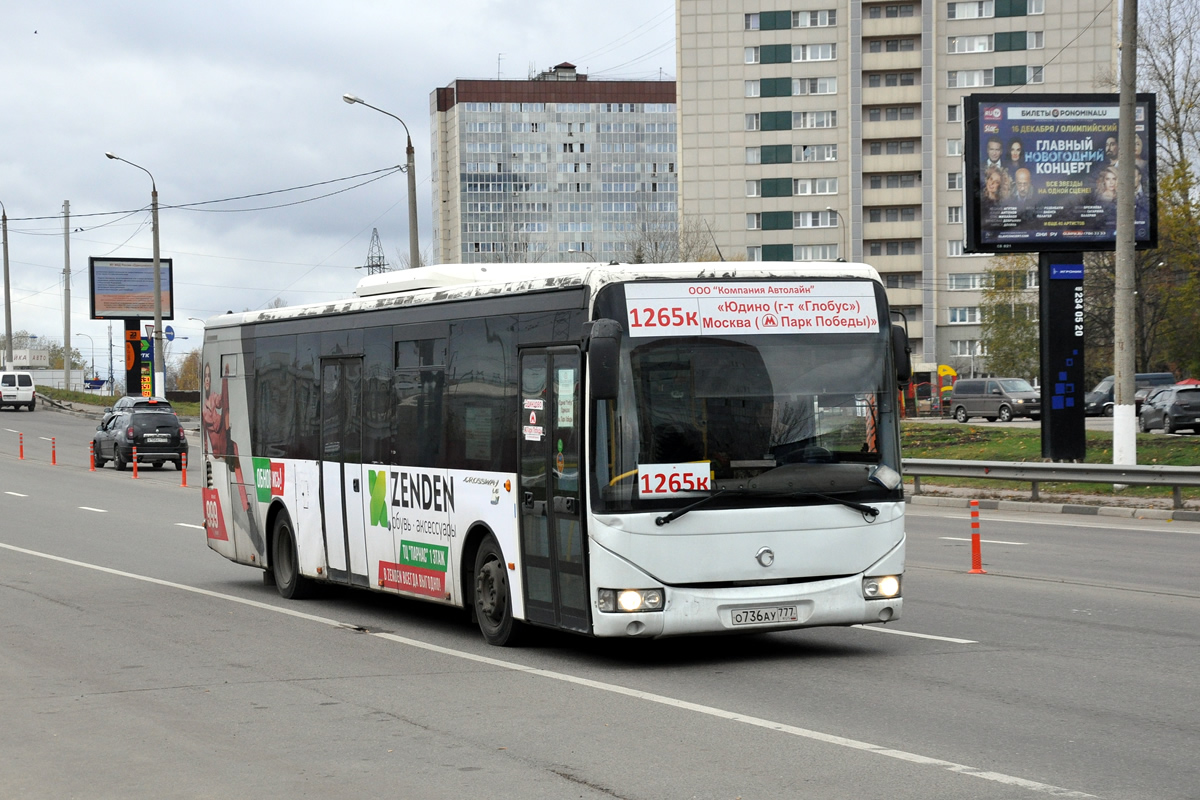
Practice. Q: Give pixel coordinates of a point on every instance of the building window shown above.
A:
(965, 347)
(802, 86)
(954, 113)
(901, 280)
(954, 147)
(753, 155)
(954, 180)
(814, 19)
(814, 119)
(1035, 40)
(814, 219)
(803, 186)
(753, 122)
(1035, 7)
(964, 315)
(816, 252)
(815, 152)
(892, 215)
(972, 10)
(966, 281)
(966, 78)
(814, 52)
(752, 55)
(753, 188)
(969, 44)
(954, 214)
(752, 89)
(1035, 75)
(754, 222)
(754, 253)
(752, 22)
(954, 247)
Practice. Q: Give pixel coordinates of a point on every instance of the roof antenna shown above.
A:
(714, 239)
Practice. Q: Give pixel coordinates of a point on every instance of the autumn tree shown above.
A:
(188, 377)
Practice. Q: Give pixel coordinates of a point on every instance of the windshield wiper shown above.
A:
(869, 511)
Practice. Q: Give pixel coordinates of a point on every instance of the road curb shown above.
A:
(1126, 512)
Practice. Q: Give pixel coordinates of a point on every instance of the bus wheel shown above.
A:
(493, 606)
(285, 562)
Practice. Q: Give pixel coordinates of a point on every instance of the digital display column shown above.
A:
(1060, 281)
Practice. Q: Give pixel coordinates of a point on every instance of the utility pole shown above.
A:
(67, 295)
(8, 345)
(1124, 335)
(376, 262)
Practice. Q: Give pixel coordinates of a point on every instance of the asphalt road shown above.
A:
(134, 662)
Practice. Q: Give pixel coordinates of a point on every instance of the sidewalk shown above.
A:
(1083, 504)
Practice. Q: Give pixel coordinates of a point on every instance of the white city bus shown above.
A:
(617, 450)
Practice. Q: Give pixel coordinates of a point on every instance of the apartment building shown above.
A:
(821, 129)
(539, 169)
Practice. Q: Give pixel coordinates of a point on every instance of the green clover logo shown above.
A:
(377, 485)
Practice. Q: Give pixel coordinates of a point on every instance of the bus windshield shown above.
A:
(784, 414)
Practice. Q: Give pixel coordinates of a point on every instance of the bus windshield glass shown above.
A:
(775, 416)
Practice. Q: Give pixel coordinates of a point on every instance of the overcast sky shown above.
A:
(224, 99)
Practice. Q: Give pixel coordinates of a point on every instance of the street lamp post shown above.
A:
(93, 343)
(414, 250)
(845, 256)
(158, 383)
(8, 346)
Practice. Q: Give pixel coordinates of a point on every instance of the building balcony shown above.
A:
(897, 129)
(890, 27)
(892, 230)
(890, 95)
(909, 196)
(911, 263)
(909, 162)
(903, 297)
(905, 60)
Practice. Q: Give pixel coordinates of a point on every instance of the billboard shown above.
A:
(123, 288)
(1041, 172)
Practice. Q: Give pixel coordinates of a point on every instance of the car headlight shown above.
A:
(629, 600)
(1019, 402)
(883, 586)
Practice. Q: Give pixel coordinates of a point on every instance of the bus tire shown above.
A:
(285, 562)
(493, 602)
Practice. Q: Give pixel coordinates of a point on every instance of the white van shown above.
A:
(16, 390)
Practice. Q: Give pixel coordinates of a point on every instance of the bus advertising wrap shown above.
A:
(1042, 172)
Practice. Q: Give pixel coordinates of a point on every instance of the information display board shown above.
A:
(123, 288)
(1041, 172)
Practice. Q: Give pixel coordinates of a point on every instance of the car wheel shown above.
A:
(178, 464)
(1108, 411)
(156, 465)
(493, 605)
(960, 414)
(100, 460)
(1168, 424)
(1005, 414)
(285, 562)
(1142, 426)
(33, 404)
(118, 460)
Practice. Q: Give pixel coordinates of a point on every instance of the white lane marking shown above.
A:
(17, 494)
(732, 716)
(10, 430)
(1080, 521)
(46, 438)
(97, 510)
(879, 629)
(188, 525)
(985, 541)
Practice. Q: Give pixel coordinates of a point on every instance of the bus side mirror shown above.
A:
(902, 355)
(602, 343)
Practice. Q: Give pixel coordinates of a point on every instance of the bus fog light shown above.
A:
(629, 600)
(881, 586)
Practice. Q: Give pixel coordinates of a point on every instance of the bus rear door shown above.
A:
(341, 470)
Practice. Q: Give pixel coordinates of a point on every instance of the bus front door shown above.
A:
(552, 540)
(341, 470)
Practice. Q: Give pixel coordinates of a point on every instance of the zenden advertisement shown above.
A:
(1043, 170)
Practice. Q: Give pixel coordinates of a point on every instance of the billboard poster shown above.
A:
(123, 288)
(1042, 172)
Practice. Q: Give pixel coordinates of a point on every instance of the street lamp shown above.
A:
(93, 343)
(585, 252)
(414, 250)
(845, 256)
(158, 381)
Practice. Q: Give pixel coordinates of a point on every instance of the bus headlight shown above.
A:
(629, 600)
(881, 587)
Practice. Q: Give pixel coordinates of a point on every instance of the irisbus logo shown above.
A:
(268, 479)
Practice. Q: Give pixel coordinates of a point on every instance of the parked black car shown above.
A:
(1171, 409)
(132, 401)
(156, 434)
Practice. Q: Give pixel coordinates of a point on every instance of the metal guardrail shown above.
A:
(1036, 472)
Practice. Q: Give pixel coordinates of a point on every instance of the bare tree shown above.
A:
(661, 239)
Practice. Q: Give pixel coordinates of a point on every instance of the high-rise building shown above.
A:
(821, 129)
(536, 169)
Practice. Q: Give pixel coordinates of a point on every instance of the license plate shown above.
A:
(156, 438)
(764, 615)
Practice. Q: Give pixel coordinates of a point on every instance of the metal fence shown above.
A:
(1041, 472)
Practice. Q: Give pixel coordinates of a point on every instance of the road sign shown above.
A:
(169, 332)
